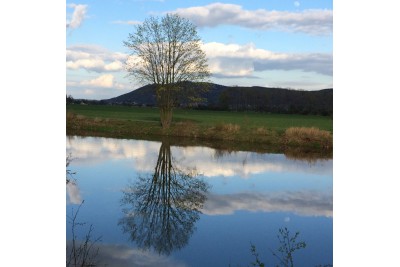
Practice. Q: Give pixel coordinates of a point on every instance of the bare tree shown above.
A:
(166, 52)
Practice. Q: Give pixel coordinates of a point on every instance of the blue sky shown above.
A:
(250, 43)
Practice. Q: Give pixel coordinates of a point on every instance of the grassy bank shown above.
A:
(277, 130)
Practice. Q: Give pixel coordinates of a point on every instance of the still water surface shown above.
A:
(154, 204)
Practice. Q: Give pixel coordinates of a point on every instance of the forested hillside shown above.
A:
(238, 98)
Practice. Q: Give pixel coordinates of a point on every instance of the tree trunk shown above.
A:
(166, 116)
(165, 99)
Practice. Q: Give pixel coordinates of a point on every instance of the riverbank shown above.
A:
(276, 132)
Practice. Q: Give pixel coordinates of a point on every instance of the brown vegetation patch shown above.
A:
(97, 119)
(222, 131)
(262, 131)
(185, 128)
(80, 117)
(70, 115)
(308, 136)
(227, 128)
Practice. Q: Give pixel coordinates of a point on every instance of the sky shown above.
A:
(271, 43)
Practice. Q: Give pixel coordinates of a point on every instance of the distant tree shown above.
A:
(224, 100)
(70, 99)
(166, 52)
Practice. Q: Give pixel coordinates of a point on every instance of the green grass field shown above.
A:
(204, 118)
(231, 129)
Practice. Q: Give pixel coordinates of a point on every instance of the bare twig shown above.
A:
(82, 253)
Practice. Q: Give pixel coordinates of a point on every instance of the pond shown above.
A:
(148, 203)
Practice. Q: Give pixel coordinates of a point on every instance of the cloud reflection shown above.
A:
(301, 203)
(124, 256)
(73, 193)
(144, 155)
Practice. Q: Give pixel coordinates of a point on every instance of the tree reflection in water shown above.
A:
(161, 209)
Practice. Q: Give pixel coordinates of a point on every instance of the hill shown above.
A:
(238, 98)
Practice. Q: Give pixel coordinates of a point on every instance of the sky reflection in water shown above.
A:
(249, 197)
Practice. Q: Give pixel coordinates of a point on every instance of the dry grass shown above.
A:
(227, 128)
(185, 129)
(70, 115)
(305, 135)
(97, 119)
(222, 131)
(80, 117)
(262, 131)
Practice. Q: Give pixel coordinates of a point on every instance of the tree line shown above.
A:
(275, 100)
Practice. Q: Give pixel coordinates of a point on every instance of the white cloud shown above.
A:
(214, 49)
(224, 60)
(77, 16)
(90, 63)
(314, 22)
(87, 50)
(114, 66)
(94, 58)
(243, 60)
(103, 81)
(106, 80)
(92, 86)
(310, 62)
(296, 3)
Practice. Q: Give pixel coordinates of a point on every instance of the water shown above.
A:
(154, 204)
